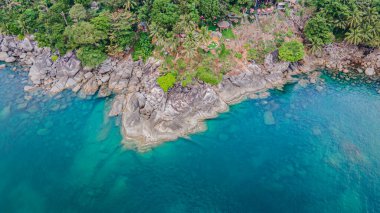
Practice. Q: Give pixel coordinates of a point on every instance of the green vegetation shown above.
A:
(292, 51)
(187, 79)
(178, 31)
(356, 22)
(167, 81)
(91, 56)
(54, 58)
(206, 75)
(318, 32)
(238, 55)
(143, 48)
(259, 49)
(228, 34)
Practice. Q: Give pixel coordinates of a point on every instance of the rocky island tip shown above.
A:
(170, 65)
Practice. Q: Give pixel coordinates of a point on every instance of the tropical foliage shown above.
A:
(354, 21)
(292, 51)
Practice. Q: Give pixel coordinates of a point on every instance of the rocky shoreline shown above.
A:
(149, 115)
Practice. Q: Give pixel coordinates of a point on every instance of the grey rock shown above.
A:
(3, 56)
(105, 78)
(38, 71)
(236, 87)
(60, 85)
(29, 88)
(117, 106)
(370, 71)
(104, 91)
(26, 45)
(70, 83)
(105, 66)
(90, 87)
(68, 68)
(88, 75)
(10, 59)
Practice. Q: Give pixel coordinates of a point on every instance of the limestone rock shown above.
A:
(26, 45)
(3, 56)
(370, 71)
(10, 59)
(117, 106)
(90, 87)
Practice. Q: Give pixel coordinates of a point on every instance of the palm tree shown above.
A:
(354, 36)
(190, 46)
(203, 35)
(130, 4)
(355, 18)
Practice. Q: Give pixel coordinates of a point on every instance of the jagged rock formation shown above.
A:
(149, 115)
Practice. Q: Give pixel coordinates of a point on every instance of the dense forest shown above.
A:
(178, 31)
(354, 21)
(112, 26)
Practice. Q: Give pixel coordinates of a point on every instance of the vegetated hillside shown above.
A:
(184, 33)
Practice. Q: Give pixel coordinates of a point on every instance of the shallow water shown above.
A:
(304, 149)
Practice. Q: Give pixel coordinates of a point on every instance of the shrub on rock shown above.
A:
(292, 51)
(91, 56)
(166, 81)
(206, 75)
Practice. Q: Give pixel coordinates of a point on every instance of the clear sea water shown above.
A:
(322, 154)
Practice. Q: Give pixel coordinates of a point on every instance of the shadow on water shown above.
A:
(313, 148)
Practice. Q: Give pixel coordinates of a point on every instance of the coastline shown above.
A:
(149, 115)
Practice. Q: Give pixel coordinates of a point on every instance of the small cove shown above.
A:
(304, 149)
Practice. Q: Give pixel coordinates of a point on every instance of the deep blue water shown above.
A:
(62, 154)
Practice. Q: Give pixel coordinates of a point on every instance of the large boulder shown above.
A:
(10, 59)
(117, 105)
(42, 65)
(3, 56)
(60, 85)
(67, 67)
(26, 45)
(237, 86)
(370, 71)
(90, 87)
(106, 66)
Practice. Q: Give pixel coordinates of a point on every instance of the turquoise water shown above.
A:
(322, 154)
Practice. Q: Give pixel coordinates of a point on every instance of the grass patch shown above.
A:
(167, 81)
(206, 75)
(238, 55)
(228, 34)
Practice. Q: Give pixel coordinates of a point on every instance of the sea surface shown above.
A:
(307, 148)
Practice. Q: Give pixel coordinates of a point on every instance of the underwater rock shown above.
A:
(42, 132)
(5, 112)
(269, 118)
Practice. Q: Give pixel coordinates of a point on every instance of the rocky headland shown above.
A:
(149, 115)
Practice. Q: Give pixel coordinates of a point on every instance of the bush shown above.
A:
(167, 81)
(228, 34)
(181, 64)
(143, 48)
(91, 56)
(292, 51)
(252, 54)
(206, 75)
(238, 55)
(318, 32)
(224, 52)
(54, 58)
(187, 79)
